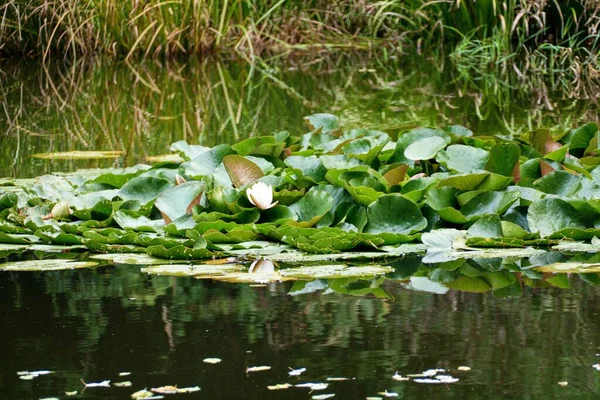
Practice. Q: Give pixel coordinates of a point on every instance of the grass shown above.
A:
(131, 28)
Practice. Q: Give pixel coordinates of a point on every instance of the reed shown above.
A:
(152, 28)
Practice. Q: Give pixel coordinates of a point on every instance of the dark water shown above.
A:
(93, 324)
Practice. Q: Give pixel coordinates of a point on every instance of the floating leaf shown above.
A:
(394, 213)
(45, 265)
(242, 171)
(78, 155)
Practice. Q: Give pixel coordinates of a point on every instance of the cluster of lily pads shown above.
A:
(327, 191)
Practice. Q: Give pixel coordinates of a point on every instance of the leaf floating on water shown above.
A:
(73, 393)
(200, 270)
(122, 384)
(96, 384)
(258, 369)
(296, 372)
(212, 360)
(464, 368)
(334, 271)
(144, 394)
(189, 389)
(129, 258)
(280, 386)
(429, 372)
(563, 383)
(45, 265)
(388, 394)
(313, 386)
(165, 390)
(124, 373)
(400, 378)
(323, 396)
(78, 155)
(438, 379)
(29, 375)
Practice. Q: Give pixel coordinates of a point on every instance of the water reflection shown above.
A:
(140, 109)
(93, 324)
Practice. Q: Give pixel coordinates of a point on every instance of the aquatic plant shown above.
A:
(330, 190)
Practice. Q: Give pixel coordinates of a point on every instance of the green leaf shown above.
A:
(407, 138)
(488, 226)
(326, 122)
(310, 166)
(241, 170)
(187, 151)
(132, 220)
(581, 137)
(463, 159)
(550, 215)
(396, 214)
(503, 158)
(178, 201)
(207, 162)
(312, 207)
(425, 149)
(264, 146)
(118, 177)
(560, 183)
(143, 189)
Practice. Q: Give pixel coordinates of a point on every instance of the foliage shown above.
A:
(334, 191)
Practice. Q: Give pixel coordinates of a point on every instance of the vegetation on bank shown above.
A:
(477, 29)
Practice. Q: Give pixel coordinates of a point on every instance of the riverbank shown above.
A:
(481, 32)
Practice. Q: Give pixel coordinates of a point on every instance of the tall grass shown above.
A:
(127, 28)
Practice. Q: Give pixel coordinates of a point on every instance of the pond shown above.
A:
(468, 324)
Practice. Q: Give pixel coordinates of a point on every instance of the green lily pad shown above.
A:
(78, 155)
(463, 159)
(143, 189)
(550, 215)
(46, 265)
(396, 214)
(334, 271)
(426, 148)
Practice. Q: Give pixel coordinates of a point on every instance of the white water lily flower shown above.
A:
(261, 195)
(262, 267)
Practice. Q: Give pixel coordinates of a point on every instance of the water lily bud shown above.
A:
(261, 195)
(179, 180)
(262, 267)
(60, 210)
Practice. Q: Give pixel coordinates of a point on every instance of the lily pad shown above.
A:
(78, 155)
(46, 265)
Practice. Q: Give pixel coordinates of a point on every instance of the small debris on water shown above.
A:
(280, 386)
(212, 360)
(464, 368)
(563, 383)
(323, 396)
(122, 384)
(400, 378)
(258, 369)
(296, 372)
(313, 386)
(96, 384)
(388, 394)
(124, 373)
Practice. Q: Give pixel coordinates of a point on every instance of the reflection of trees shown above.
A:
(142, 108)
(115, 318)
